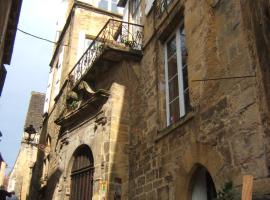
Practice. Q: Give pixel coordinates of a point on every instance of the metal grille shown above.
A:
(82, 175)
(161, 6)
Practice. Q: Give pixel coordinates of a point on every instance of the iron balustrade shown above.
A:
(161, 6)
(117, 33)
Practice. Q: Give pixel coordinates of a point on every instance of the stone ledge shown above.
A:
(166, 131)
(90, 107)
(261, 187)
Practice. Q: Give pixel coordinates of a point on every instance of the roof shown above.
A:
(35, 111)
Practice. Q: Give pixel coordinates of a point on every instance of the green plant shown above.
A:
(73, 104)
(128, 43)
(228, 192)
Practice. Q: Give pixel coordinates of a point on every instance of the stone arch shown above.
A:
(195, 156)
(201, 186)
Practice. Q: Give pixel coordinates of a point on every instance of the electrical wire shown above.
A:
(37, 37)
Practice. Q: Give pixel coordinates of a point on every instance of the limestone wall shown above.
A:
(5, 10)
(2, 173)
(85, 22)
(223, 130)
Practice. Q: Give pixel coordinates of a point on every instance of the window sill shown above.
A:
(170, 129)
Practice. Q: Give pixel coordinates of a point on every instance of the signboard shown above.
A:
(103, 189)
(247, 187)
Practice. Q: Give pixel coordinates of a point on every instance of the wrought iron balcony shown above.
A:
(161, 7)
(117, 34)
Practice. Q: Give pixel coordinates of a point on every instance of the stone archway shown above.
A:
(195, 156)
(82, 174)
(202, 186)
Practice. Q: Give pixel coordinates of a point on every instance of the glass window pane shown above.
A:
(173, 89)
(185, 78)
(114, 6)
(134, 6)
(174, 111)
(172, 66)
(87, 43)
(171, 47)
(103, 4)
(184, 56)
(184, 52)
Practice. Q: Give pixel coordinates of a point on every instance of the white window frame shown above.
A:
(181, 91)
(110, 2)
(49, 90)
(59, 66)
(135, 12)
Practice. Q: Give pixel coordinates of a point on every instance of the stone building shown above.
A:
(3, 167)
(170, 103)
(21, 174)
(9, 18)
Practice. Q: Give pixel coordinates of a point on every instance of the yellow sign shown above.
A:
(103, 186)
(247, 187)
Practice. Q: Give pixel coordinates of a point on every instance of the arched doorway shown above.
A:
(202, 185)
(82, 174)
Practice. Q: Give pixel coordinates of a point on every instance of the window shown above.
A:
(58, 68)
(103, 4)
(49, 90)
(176, 75)
(135, 6)
(161, 6)
(109, 5)
(165, 4)
(136, 15)
(87, 43)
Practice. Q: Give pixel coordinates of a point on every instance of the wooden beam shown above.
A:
(247, 187)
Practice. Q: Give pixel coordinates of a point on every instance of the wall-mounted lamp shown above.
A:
(29, 134)
(29, 137)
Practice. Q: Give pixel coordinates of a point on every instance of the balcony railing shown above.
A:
(116, 33)
(161, 7)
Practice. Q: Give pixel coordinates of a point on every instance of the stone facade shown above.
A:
(137, 154)
(21, 174)
(9, 18)
(3, 167)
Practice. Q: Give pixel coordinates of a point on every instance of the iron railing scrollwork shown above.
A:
(161, 7)
(115, 32)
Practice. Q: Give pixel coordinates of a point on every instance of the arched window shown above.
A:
(203, 187)
(82, 174)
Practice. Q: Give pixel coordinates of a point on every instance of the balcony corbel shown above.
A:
(85, 111)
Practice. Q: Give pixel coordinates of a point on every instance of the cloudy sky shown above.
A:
(28, 71)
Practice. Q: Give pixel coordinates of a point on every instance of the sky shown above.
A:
(28, 72)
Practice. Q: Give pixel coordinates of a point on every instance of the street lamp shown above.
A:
(29, 137)
(30, 133)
